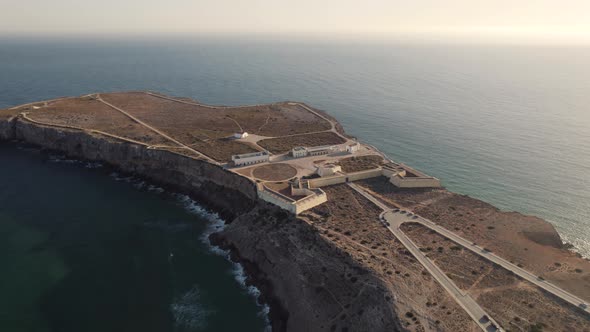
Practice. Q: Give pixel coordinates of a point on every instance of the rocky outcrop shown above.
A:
(220, 189)
(295, 268)
(7, 129)
(311, 284)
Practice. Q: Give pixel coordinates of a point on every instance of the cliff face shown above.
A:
(7, 129)
(314, 285)
(294, 267)
(220, 189)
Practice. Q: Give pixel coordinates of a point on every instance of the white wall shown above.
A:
(371, 173)
(415, 182)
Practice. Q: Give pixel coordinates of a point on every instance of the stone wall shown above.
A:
(371, 173)
(318, 197)
(409, 182)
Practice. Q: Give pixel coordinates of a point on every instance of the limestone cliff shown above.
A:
(7, 129)
(294, 267)
(221, 189)
(313, 285)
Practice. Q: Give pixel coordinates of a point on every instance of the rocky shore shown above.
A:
(283, 256)
(310, 282)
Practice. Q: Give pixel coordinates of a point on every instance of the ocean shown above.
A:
(84, 248)
(506, 124)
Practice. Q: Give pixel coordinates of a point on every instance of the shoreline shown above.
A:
(207, 187)
(245, 278)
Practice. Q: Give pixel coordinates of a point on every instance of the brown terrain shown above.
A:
(350, 222)
(274, 172)
(516, 304)
(284, 144)
(335, 267)
(525, 240)
(357, 164)
(207, 129)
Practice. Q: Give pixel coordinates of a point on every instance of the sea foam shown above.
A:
(217, 224)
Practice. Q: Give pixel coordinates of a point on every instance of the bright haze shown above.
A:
(566, 21)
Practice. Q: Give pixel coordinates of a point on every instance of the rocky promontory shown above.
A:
(334, 267)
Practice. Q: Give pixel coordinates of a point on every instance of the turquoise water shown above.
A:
(506, 124)
(85, 249)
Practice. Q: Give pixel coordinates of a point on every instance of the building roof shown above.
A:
(250, 155)
(319, 148)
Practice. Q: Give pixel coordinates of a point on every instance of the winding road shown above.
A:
(396, 218)
(474, 310)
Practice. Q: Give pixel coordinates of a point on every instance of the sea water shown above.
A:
(507, 124)
(83, 248)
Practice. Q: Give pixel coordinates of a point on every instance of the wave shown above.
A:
(217, 224)
(58, 158)
(188, 312)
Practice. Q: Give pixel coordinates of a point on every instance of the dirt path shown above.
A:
(157, 131)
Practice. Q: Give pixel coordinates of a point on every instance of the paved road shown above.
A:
(547, 286)
(462, 298)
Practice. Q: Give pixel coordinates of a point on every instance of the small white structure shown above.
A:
(306, 199)
(353, 148)
(329, 170)
(301, 151)
(240, 135)
(250, 158)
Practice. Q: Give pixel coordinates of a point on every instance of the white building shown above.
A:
(250, 158)
(301, 151)
(320, 150)
(329, 170)
(241, 135)
(352, 148)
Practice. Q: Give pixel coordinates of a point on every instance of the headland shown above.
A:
(337, 236)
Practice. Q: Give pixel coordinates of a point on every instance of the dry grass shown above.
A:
(8, 113)
(504, 295)
(465, 268)
(222, 149)
(274, 172)
(267, 120)
(284, 144)
(91, 114)
(357, 164)
(351, 222)
(527, 241)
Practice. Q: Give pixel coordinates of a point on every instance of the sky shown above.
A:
(524, 20)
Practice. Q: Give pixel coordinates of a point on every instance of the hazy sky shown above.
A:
(563, 20)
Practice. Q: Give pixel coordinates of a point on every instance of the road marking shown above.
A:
(473, 309)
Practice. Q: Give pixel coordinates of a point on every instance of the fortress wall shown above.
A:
(310, 202)
(389, 173)
(415, 182)
(371, 173)
(268, 196)
(301, 192)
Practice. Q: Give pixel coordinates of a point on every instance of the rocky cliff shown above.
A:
(311, 284)
(296, 269)
(220, 189)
